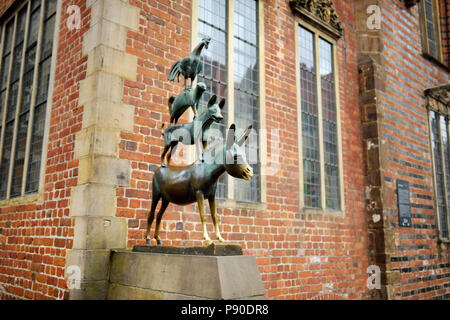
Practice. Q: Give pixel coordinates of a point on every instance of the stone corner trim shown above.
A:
(93, 201)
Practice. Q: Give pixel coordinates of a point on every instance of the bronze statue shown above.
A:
(190, 66)
(186, 134)
(198, 181)
(188, 98)
(188, 184)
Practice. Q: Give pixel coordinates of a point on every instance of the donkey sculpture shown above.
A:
(194, 183)
(190, 134)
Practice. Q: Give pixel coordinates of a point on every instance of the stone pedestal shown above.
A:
(154, 276)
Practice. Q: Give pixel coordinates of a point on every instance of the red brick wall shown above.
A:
(424, 269)
(5, 4)
(34, 237)
(444, 10)
(299, 256)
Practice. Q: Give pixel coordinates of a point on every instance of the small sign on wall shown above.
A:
(404, 204)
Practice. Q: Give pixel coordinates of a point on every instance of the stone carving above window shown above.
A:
(438, 99)
(411, 3)
(321, 13)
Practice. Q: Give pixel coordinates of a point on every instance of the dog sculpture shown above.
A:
(194, 183)
(187, 98)
(190, 133)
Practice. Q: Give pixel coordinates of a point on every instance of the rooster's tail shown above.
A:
(171, 100)
(174, 71)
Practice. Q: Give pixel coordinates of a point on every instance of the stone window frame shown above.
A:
(424, 31)
(32, 197)
(229, 201)
(319, 32)
(438, 101)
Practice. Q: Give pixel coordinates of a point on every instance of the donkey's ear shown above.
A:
(212, 100)
(230, 136)
(222, 103)
(244, 137)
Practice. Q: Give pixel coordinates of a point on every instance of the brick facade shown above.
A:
(300, 255)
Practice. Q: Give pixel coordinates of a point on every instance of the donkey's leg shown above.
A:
(201, 209)
(155, 199)
(164, 205)
(212, 207)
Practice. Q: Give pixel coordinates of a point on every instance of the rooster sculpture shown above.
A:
(190, 66)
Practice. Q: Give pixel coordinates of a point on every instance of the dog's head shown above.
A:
(214, 110)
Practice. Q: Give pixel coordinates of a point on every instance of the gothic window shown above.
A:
(438, 100)
(26, 50)
(430, 27)
(318, 111)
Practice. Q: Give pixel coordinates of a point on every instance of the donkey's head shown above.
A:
(236, 163)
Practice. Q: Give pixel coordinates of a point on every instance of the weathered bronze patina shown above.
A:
(185, 133)
(184, 185)
(197, 182)
(189, 98)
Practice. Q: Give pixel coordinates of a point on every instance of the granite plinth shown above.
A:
(150, 276)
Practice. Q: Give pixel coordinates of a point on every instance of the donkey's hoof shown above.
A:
(148, 242)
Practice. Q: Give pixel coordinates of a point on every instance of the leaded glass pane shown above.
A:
(246, 107)
(43, 82)
(4, 72)
(19, 158)
(431, 28)
(212, 19)
(245, 20)
(37, 139)
(50, 8)
(34, 27)
(213, 12)
(30, 59)
(329, 125)
(310, 128)
(35, 4)
(9, 32)
(12, 101)
(2, 105)
(17, 61)
(439, 173)
(47, 41)
(27, 87)
(6, 157)
(22, 19)
(446, 154)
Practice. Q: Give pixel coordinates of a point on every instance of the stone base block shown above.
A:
(214, 249)
(139, 275)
